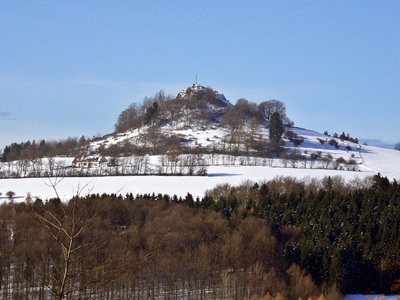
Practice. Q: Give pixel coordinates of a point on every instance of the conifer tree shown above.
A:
(276, 128)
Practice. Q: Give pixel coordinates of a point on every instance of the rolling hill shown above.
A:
(188, 135)
(370, 161)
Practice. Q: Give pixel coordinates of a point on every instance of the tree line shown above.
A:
(30, 151)
(343, 137)
(280, 239)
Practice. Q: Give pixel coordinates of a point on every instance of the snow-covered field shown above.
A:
(369, 161)
(373, 160)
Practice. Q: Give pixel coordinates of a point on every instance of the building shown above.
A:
(89, 161)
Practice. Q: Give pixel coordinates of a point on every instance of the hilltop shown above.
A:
(187, 134)
(198, 132)
(198, 92)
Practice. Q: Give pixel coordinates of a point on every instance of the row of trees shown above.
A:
(343, 137)
(168, 164)
(70, 146)
(174, 162)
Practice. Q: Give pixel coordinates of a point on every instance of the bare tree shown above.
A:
(154, 135)
(251, 134)
(246, 109)
(129, 118)
(268, 108)
(81, 252)
(234, 122)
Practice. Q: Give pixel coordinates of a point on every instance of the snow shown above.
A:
(375, 160)
(369, 161)
(381, 160)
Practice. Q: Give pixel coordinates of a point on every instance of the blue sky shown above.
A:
(68, 68)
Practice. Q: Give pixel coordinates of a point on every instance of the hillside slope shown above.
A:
(197, 133)
(371, 161)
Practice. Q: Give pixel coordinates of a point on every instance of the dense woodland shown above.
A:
(283, 239)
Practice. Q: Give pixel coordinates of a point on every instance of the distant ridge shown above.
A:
(377, 143)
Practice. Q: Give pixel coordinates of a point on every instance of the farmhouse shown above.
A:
(89, 161)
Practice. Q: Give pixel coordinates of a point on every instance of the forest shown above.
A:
(281, 239)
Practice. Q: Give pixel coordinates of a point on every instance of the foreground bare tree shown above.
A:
(79, 265)
(65, 230)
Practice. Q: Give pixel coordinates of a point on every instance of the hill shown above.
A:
(198, 132)
(225, 170)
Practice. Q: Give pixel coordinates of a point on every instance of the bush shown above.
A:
(334, 143)
(298, 142)
(291, 135)
(294, 138)
(340, 160)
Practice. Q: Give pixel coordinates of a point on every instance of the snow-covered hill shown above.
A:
(315, 150)
(193, 135)
(369, 161)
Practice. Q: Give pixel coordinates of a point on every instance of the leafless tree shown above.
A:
(246, 109)
(234, 122)
(268, 108)
(154, 135)
(72, 227)
(327, 160)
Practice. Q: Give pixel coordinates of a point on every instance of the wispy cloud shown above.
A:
(5, 115)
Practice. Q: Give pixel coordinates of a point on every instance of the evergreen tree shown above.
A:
(151, 113)
(276, 128)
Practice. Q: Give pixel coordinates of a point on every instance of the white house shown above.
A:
(89, 161)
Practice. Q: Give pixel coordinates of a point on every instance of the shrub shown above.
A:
(334, 143)
(340, 160)
(294, 138)
(291, 135)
